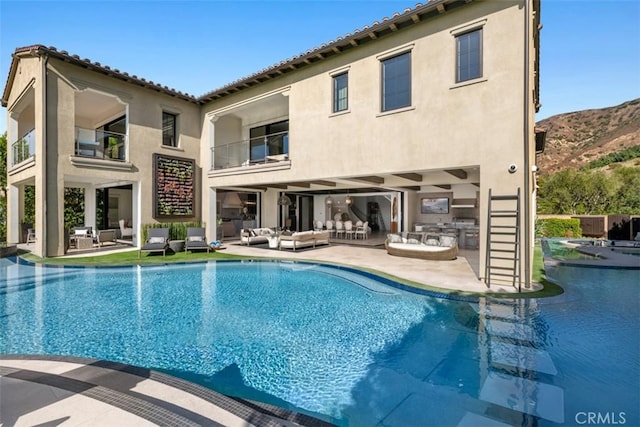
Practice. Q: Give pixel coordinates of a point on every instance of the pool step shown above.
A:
(522, 358)
(498, 310)
(511, 330)
(527, 396)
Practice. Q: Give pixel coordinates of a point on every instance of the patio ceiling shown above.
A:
(425, 180)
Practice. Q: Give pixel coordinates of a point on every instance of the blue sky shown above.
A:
(590, 56)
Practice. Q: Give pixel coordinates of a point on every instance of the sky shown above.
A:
(590, 49)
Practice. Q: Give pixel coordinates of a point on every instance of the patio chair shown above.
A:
(339, 229)
(317, 225)
(363, 230)
(31, 236)
(125, 232)
(349, 231)
(196, 239)
(330, 228)
(158, 241)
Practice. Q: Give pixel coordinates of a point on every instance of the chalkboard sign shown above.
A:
(174, 186)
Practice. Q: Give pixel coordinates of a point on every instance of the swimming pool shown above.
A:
(340, 345)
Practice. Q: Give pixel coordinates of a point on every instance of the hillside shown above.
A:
(577, 138)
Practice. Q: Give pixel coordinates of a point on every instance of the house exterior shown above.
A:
(406, 122)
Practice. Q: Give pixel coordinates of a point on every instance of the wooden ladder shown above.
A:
(503, 239)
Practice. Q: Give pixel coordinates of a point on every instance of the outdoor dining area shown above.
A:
(344, 229)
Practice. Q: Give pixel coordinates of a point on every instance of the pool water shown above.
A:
(346, 347)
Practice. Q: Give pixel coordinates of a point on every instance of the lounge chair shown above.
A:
(158, 241)
(196, 239)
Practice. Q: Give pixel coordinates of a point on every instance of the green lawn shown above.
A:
(131, 258)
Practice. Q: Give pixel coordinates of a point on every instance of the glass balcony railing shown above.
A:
(24, 148)
(100, 144)
(264, 149)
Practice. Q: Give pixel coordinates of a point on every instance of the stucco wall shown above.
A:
(447, 125)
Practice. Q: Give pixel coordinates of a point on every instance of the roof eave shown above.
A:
(40, 50)
(408, 17)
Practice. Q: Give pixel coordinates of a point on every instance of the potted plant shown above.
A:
(274, 239)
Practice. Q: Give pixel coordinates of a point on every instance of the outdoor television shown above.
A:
(439, 205)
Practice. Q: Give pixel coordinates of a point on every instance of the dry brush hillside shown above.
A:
(575, 139)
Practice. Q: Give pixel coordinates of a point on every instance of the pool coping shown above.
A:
(254, 413)
(604, 257)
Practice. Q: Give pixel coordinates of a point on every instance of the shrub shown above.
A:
(558, 227)
(177, 230)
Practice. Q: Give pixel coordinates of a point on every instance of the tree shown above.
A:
(577, 193)
(628, 190)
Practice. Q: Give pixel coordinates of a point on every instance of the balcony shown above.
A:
(100, 144)
(255, 151)
(24, 148)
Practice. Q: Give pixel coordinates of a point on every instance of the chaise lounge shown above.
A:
(158, 241)
(432, 247)
(196, 239)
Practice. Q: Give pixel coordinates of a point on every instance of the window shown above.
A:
(169, 129)
(396, 82)
(113, 137)
(469, 56)
(340, 92)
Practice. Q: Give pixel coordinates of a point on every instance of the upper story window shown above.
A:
(396, 82)
(469, 55)
(169, 134)
(340, 92)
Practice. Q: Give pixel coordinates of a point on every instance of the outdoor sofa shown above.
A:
(251, 236)
(435, 247)
(304, 239)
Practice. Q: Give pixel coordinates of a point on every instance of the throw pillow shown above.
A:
(156, 240)
(414, 236)
(252, 233)
(196, 238)
(448, 241)
(431, 240)
(394, 238)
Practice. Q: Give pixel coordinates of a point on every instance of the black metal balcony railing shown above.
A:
(264, 149)
(24, 148)
(101, 144)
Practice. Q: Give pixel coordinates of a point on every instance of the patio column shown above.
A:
(90, 206)
(211, 220)
(14, 205)
(209, 195)
(136, 222)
